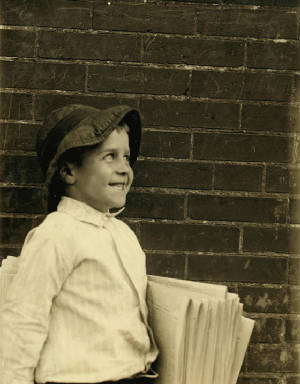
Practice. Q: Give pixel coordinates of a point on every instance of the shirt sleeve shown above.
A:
(44, 264)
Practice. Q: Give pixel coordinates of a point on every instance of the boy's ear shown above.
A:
(67, 173)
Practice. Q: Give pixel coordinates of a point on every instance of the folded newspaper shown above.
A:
(200, 331)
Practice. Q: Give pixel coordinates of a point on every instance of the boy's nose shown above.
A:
(123, 167)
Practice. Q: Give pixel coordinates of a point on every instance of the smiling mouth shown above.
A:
(118, 186)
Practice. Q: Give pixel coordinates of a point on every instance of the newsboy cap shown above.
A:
(77, 125)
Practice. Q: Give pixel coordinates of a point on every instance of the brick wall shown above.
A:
(215, 196)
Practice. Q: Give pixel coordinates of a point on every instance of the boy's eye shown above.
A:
(109, 156)
(127, 157)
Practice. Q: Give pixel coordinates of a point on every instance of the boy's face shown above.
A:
(105, 176)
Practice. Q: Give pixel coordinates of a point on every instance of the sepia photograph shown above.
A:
(149, 192)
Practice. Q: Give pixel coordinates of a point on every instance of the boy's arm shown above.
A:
(43, 267)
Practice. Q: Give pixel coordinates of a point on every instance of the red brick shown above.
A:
(273, 55)
(66, 14)
(294, 271)
(155, 206)
(242, 147)
(102, 46)
(17, 136)
(272, 358)
(19, 43)
(190, 114)
(21, 200)
(137, 79)
(46, 75)
(145, 17)
(181, 50)
(16, 106)
(237, 268)
(260, 23)
(239, 85)
(263, 299)
(271, 239)
(234, 177)
(46, 103)
(270, 118)
(268, 330)
(244, 209)
(20, 169)
(292, 331)
(280, 179)
(173, 174)
(14, 230)
(188, 237)
(165, 265)
(295, 211)
(294, 300)
(166, 144)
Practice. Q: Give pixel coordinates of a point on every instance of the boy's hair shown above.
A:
(57, 186)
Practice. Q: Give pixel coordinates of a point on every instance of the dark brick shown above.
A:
(155, 206)
(46, 103)
(189, 237)
(281, 179)
(236, 268)
(66, 14)
(277, 24)
(294, 271)
(238, 85)
(16, 106)
(294, 300)
(145, 17)
(263, 299)
(165, 265)
(295, 97)
(295, 211)
(245, 209)
(190, 114)
(9, 251)
(21, 200)
(242, 147)
(138, 80)
(46, 75)
(19, 43)
(274, 55)
(101, 46)
(270, 118)
(166, 144)
(292, 380)
(17, 136)
(272, 358)
(292, 331)
(256, 380)
(235, 177)
(173, 174)
(14, 230)
(181, 50)
(268, 330)
(271, 239)
(20, 169)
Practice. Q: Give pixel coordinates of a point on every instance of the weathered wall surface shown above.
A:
(216, 189)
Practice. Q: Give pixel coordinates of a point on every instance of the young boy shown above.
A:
(76, 309)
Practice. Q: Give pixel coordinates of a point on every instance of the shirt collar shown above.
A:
(83, 212)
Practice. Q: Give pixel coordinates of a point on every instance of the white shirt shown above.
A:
(76, 309)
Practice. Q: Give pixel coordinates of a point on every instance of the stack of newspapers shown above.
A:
(200, 331)
(199, 328)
